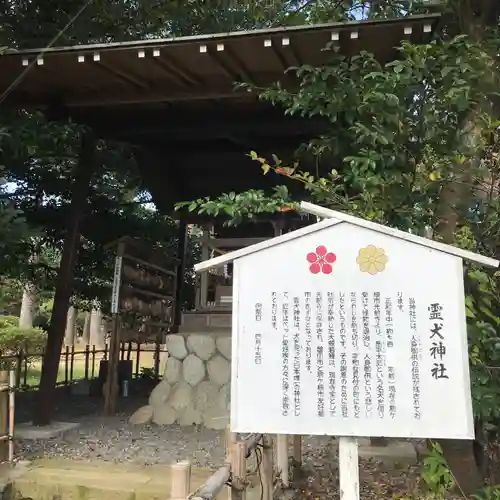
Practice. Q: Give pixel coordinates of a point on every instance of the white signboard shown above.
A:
(350, 332)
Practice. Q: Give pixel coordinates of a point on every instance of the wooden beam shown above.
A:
(156, 95)
(252, 110)
(230, 242)
(171, 74)
(228, 71)
(174, 65)
(228, 60)
(233, 56)
(291, 50)
(204, 130)
(121, 75)
(280, 57)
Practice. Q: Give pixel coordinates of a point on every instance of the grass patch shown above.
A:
(34, 368)
(34, 373)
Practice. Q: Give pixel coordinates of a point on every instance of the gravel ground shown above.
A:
(114, 439)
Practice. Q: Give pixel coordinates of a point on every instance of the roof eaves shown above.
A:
(134, 44)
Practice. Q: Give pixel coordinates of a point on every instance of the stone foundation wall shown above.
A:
(196, 384)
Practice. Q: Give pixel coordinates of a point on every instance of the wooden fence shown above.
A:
(7, 409)
(272, 478)
(82, 364)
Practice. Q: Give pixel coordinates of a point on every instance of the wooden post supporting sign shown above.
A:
(111, 385)
(348, 468)
(282, 458)
(180, 481)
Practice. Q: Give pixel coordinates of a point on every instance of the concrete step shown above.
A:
(50, 479)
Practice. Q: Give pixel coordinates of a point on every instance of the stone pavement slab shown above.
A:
(55, 429)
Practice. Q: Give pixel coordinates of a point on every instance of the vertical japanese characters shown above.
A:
(332, 382)
(320, 356)
(285, 356)
(438, 347)
(258, 335)
(349, 345)
(415, 358)
(296, 356)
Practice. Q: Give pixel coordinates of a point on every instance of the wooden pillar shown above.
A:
(230, 440)
(4, 414)
(44, 407)
(278, 226)
(239, 472)
(111, 386)
(181, 255)
(348, 468)
(205, 254)
(297, 457)
(266, 469)
(282, 458)
(180, 481)
(281, 439)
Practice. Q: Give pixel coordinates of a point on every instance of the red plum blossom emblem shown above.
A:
(321, 260)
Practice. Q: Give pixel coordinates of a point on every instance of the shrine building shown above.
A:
(175, 101)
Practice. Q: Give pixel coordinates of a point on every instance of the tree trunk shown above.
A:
(97, 337)
(28, 305)
(461, 460)
(44, 407)
(473, 18)
(69, 336)
(86, 329)
(460, 453)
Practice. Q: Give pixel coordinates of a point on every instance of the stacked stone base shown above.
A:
(195, 387)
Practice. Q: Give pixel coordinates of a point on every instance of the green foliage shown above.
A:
(41, 157)
(121, 20)
(437, 478)
(482, 309)
(396, 133)
(14, 339)
(10, 296)
(15, 237)
(488, 493)
(242, 206)
(436, 474)
(413, 144)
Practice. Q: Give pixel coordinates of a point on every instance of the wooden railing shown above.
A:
(233, 473)
(83, 363)
(7, 409)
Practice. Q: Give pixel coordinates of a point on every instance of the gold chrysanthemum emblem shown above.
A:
(372, 260)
